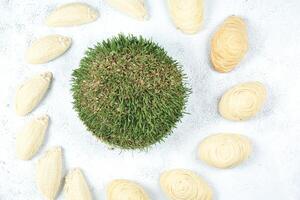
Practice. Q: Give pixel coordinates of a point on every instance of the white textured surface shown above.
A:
(274, 168)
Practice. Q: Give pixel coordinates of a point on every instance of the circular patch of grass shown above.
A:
(128, 92)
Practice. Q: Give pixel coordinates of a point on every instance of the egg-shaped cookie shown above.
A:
(72, 14)
(121, 189)
(133, 8)
(187, 15)
(182, 184)
(76, 187)
(242, 101)
(49, 171)
(229, 44)
(31, 92)
(225, 150)
(30, 139)
(47, 48)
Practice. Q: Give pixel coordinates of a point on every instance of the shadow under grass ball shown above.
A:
(128, 92)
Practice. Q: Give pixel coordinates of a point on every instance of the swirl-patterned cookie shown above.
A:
(225, 150)
(182, 184)
(229, 44)
(187, 15)
(242, 101)
(124, 190)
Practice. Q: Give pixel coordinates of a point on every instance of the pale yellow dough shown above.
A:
(47, 48)
(182, 184)
(76, 187)
(49, 173)
(31, 92)
(132, 8)
(187, 15)
(242, 101)
(225, 150)
(29, 140)
(72, 14)
(229, 44)
(121, 189)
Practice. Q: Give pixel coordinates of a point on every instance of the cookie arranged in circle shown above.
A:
(47, 48)
(30, 93)
(182, 184)
(242, 101)
(225, 150)
(133, 8)
(187, 15)
(71, 14)
(229, 44)
(124, 190)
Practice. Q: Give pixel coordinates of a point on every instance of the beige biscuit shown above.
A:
(76, 187)
(123, 190)
(181, 184)
(132, 8)
(72, 14)
(242, 101)
(31, 137)
(49, 173)
(31, 92)
(225, 150)
(47, 48)
(229, 44)
(187, 15)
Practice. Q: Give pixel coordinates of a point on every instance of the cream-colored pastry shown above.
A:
(132, 8)
(124, 190)
(225, 150)
(31, 92)
(242, 101)
(47, 48)
(182, 184)
(72, 14)
(229, 44)
(49, 173)
(187, 15)
(76, 187)
(31, 137)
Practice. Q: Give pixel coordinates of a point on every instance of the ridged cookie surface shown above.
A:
(31, 137)
(132, 8)
(187, 15)
(72, 14)
(124, 190)
(242, 101)
(49, 173)
(47, 48)
(182, 184)
(225, 150)
(76, 187)
(31, 92)
(229, 44)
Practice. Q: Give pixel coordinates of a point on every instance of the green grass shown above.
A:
(128, 92)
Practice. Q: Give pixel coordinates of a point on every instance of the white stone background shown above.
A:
(273, 170)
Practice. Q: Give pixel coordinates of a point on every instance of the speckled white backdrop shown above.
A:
(272, 172)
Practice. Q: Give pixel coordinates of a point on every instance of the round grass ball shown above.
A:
(128, 92)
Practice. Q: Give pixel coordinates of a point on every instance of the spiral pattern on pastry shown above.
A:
(182, 184)
(229, 44)
(124, 190)
(187, 15)
(225, 150)
(242, 101)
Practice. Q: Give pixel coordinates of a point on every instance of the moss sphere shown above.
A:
(128, 92)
